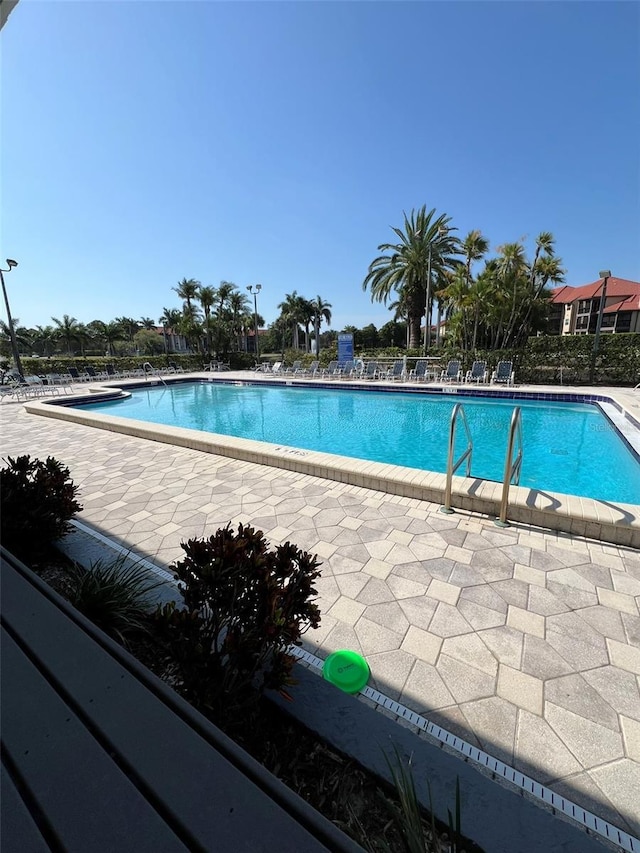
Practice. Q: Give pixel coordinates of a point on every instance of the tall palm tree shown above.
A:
(241, 317)
(44, 337)
(187, 289)
(223, 318)
(147, 323)
(320, 310)
(170, 319)
(292, 312)
(67, 330)
(129, 326)
(207, 296)
(405, 267)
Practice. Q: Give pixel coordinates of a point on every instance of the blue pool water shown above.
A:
(570, 448)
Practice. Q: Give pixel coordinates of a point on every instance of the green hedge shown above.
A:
(61, 364)
(544, 360)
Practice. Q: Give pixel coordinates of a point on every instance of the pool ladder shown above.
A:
(512, 467)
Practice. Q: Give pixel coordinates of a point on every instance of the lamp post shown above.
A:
(255, 291)
(605, 275)
(427, 316)
(12, 334)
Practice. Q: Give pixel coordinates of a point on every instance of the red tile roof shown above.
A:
(626, 293)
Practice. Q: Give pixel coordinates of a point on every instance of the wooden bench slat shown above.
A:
(77, 785)
(18, 830)
(195, 784)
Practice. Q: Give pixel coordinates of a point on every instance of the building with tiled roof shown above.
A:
(574, 310)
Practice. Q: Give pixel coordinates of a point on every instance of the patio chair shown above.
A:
(371, 370)
(175, 367)
(396, 371)
(277, 367)
(92, 373)
(295, 367)
(331, 371)
(311, 370)
(57, 380)
(76, 376)
(347, 369)
(452, 372)
(419, 372)
(478, 372)
(503, 374)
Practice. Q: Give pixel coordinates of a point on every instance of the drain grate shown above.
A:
(591, 822)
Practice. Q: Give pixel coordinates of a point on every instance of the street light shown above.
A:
(12, 334)
(427, 318)
(605, 275)
(255, 291)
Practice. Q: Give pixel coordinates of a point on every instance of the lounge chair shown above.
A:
(295, 367)
(331, 371)
(419, 372)
(478, 372)
(371, 370)
(277, 367)
(396, 371)
(57, 380)
(503, 374)
(452, 372)
(93, 374)
(347, 369)
(76, 376)
(308, 371)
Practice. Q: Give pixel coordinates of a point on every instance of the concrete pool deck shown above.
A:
(524, 641)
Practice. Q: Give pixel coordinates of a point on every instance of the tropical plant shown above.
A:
(37, 501)
(207, 296)
(114, 596)
(244, 605)
(418, 836)
(187, 289)
(293, 312)
(426, 247)
(320, 310)
(170, 319)
(147, 323)
(67, 330)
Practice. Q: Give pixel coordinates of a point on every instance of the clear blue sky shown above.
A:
(144, 142)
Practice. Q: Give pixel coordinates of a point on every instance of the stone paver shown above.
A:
(524, 641)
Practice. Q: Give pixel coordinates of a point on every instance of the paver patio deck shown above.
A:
(524, 642)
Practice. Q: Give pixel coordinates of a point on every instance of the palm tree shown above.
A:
(45, 338)
(170, 319)
(129, 327)
(147, 323)
(187, 289)
(306, 318)
(207, 296)
(223, 316)
(67, 330)
(190, 325)
(425, 243)
(293, 313)
(320, 310)
(241, 316)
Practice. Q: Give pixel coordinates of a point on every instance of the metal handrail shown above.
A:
(512, 467)
(149, 368)
(452, 467)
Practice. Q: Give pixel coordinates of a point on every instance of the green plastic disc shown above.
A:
(347, 670)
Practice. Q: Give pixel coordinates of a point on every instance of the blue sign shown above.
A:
(345, 347)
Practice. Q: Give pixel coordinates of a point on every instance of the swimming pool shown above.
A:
(569, 448)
